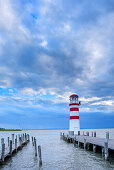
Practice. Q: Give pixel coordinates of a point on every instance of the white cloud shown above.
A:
(84, 109)
(11, 23)
(28, 91)
(105, 103)
(44, 43)
(90, 99)
(7, 17)
(42, 91)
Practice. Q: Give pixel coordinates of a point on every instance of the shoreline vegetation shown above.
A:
(3, 129)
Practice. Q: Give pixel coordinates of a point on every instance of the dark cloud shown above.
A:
(63, 45)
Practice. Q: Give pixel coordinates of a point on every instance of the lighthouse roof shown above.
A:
(75, 95)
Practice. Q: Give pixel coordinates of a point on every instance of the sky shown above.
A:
(50, 49)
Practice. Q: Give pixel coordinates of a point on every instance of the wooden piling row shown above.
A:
(13, 146)
(34, 143)
(91, 142)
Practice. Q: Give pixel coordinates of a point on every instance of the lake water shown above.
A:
(56, 153)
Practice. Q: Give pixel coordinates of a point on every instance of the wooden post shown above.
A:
(3, 152)
(106, 154)
(74, 141)
(107, 135)
(10, 149)
(28, 138)
(35, 147)
(32, 140)
(16, 145)
(78, 132)
(84, 142)
(13, 138)
(2, 141)
(40, 156)
(63, 136)
(18, 137)
(83, 133)
(78, 144)
(8, 142)
(87, 133)
(106, 149)
(20, 141)
(25, 137)
(102, 151)
(94, 134)
(22, 138)
(88, 146)
(94, 148)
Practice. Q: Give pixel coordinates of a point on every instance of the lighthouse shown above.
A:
(74, 125)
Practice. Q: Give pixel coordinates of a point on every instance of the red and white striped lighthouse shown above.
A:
(74, 125)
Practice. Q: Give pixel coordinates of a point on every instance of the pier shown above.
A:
(13, 146)
(103, 145)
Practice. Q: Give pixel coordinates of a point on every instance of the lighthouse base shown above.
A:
(74, 126)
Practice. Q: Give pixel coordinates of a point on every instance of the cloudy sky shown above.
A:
(50, 49)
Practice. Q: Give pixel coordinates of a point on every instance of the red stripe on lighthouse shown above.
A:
(73, 104)
(74, 117)
(74, 109)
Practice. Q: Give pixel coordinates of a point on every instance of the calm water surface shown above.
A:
(56, 154)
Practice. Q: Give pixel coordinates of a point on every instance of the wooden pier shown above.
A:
(93, 143)
(13, 146)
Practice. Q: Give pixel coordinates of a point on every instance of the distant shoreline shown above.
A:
(10, 130)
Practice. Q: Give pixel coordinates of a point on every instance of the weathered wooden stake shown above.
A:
(20, 141)
(88, 146)
(106, 154)
(21, 138)
(2, 141)
(8, 142)
(16, 145)
(10, 149)
(102, 151)
(28, 138)
(32, 140)
(3, 152)
(87, 133)
(63, 136)
(94, 134)
(94, 148)
(35, 146)
(25, 137)
(40, 156)
(78, 132)
(13, 138)
(84, 143)
(78, 144)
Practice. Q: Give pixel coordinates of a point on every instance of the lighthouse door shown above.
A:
(75, 130)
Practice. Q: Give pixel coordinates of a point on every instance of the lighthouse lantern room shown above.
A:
(74, 125)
